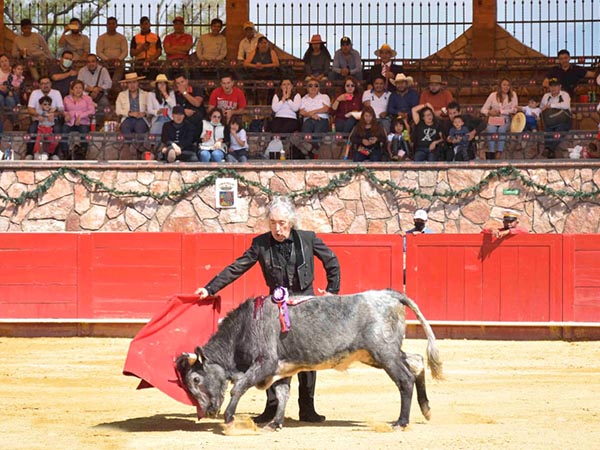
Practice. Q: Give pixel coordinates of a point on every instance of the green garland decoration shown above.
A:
(341, 180)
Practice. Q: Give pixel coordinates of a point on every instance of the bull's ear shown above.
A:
(200, 354)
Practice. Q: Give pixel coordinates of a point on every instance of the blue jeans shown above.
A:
(211, 155)
(497, 146)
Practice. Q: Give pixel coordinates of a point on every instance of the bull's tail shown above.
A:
(433, 356)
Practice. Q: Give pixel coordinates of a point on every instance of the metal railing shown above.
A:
(416, 29)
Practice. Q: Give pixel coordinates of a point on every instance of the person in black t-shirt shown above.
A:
(569, 75)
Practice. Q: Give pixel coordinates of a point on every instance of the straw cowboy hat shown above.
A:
(435, 79)
(517, 124)
(316, 39)
(133, 76)
(400, 78)
(161, 78)
(385, 47)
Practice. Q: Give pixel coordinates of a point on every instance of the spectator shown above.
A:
(63, 73)
(314, 111)
(212, 46)
(35, 111)
(44, 143)
(347, 103)
(262, 63)
(212, 139)
(31, 45)
(556, 114)
(510, 226)
(111, 48)
(346, 61)
(569, 75)
(132, 106)
(179, 43)
(368, 137)
(378, 98)
(474, 124)
(435, 95)
(248, 42)
(285, 106)
(428, 134)
(317, 59)
(420, 223)
(192, 100)
(458, 138)
(532, 114)
(228, 98)
(10, 84)
(96, 81)
(404, 99)
(398, 141)
(285, 246)
(74, 41)
(160, 103)
(497, 108)
(146, 48)
(178, 139)
(79, 109)
(384, 68)
(238, 143)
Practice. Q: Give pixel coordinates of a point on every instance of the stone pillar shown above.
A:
(237, 12)
(485, 19)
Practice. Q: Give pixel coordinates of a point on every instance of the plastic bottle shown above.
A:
(93, 124)
(282, 154)
(333, 127)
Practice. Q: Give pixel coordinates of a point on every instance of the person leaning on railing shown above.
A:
(33, 47)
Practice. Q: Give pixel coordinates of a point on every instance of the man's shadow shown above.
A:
(489, 244)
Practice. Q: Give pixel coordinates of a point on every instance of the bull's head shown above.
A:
(205, 381)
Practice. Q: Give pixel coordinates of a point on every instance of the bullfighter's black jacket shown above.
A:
(306, 246)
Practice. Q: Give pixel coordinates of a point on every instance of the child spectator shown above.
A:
(398, 142)
(532, 113)
(44, 131)
(459, 138)
(238, 144)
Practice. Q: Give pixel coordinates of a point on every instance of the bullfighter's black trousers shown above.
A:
(306, 393)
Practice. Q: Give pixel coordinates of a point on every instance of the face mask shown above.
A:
(419, 226)
(67, 63)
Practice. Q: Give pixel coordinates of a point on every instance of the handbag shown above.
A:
(496, 121)
(555, 116)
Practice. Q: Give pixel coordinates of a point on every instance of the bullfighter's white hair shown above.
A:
(286, 206)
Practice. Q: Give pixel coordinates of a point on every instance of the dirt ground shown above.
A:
(69, 394)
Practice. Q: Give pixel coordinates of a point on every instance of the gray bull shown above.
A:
(249, 349)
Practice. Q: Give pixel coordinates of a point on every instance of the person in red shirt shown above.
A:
(436, 95)
(228, 98)
(510, 225)
(179, 43)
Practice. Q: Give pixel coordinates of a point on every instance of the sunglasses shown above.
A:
(349, 85)
(312, 85)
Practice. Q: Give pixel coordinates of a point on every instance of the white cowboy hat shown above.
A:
(401, 77)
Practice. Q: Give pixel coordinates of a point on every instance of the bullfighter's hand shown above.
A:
(202, 292)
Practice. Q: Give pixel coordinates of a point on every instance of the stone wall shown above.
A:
(357, 205)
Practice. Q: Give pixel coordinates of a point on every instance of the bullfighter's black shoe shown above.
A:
(267, 415)
(311, 416)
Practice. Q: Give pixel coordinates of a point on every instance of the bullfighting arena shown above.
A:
(69, 393)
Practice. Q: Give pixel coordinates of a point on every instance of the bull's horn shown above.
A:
(192, 358)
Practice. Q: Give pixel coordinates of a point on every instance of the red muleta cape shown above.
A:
(184, 323)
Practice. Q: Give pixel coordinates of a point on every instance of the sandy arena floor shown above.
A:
(69, 394)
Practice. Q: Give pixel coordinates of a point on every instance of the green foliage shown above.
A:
(341, 180)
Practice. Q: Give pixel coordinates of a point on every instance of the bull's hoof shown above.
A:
(273, 426)
(400, 425)
(426, 412)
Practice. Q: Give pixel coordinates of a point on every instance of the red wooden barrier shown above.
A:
(480, 278)
(131, 275)
(527, 278)
(581, 291)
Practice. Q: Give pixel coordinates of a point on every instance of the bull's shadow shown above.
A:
(187, 422)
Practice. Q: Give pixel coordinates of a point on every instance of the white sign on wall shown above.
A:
(226, 192)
